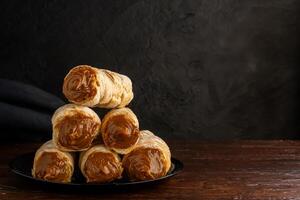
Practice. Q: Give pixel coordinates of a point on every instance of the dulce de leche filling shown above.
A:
(80, 84)
(50, 166)
(102, 167)
(144, 164)
(77, 131)
(120, 132)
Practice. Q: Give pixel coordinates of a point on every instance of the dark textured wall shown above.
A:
(200, 68)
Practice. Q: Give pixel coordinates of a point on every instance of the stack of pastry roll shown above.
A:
(109, 149)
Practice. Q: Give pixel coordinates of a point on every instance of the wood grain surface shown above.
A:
(213, 170)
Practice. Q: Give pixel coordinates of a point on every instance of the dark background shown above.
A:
(200, 68)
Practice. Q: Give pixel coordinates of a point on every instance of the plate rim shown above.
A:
(178, 167)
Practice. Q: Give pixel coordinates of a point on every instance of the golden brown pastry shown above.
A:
(120, 130)
(51, 164)
(150, 159)
(93, 87)
(99, 164)
(74, 127)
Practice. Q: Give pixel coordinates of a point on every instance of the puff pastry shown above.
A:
(150, 159)
(99, 164)
(93, 87)
(51, 164)
(74, 127)
(120, 130)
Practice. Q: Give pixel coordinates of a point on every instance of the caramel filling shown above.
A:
(77, 131)
(120, 133)
(102, 167)
(144, 164)
(80, 84)
(49, 166)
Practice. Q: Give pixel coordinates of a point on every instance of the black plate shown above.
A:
(22, 166)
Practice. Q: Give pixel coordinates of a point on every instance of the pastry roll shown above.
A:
(120, 130)
(99, 164)
(51, 164)
(74, 127)
(93, 87)
(150, 159)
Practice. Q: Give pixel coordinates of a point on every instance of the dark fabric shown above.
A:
(25, 111)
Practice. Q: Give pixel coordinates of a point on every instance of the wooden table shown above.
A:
(213, 170)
